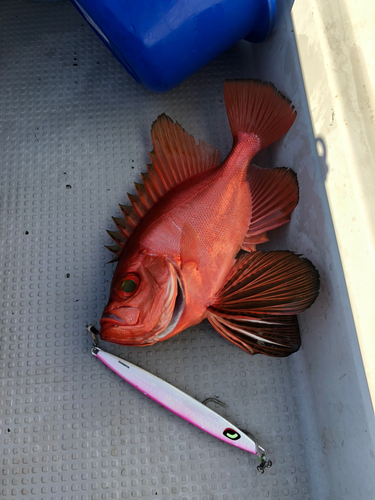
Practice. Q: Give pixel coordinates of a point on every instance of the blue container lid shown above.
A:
(266, 23)
(162, 42)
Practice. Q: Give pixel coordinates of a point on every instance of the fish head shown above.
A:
(145, 303)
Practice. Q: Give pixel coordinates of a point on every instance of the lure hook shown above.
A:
(264, 463)
(214, 400)
(94, 332)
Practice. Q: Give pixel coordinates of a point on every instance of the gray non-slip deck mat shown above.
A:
(74, 136)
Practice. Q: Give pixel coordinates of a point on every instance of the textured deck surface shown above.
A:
(74, 137)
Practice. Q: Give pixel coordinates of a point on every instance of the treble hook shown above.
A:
(264, 463)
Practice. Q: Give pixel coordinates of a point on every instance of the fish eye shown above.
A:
(128, 286)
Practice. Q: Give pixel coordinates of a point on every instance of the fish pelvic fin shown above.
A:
(258, 109)
(275, 336)
(274, 196)
(257, 306)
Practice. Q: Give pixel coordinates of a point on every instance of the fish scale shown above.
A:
(213, 196)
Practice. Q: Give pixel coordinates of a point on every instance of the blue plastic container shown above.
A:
(162, 42)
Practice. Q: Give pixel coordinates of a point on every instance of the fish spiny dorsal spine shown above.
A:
(155, 181)
(118, 237)
(116, 249)
(130, 215)
(140, 209)
(144, 196)
(149, 186)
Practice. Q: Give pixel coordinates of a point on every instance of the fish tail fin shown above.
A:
(258, 109)
(257, 306)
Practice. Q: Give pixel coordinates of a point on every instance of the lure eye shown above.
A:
(128, 286)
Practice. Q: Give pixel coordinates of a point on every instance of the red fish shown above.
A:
(178, 242)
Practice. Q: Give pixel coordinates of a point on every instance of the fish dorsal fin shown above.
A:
(274, 196)
(175, 158)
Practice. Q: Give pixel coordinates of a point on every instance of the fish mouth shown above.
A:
(111, 318)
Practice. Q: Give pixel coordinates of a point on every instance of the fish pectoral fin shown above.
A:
(276, 336)
(278, 282)
(258, 303)
(176, 156)
(189, 246)
(274, 196)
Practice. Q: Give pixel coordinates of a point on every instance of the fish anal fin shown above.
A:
(274, 196)
(276, 336)
(189, 246)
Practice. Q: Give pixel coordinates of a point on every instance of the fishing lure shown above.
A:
(181, 404)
